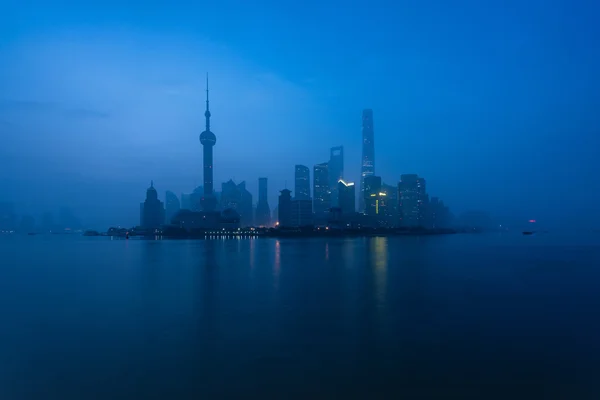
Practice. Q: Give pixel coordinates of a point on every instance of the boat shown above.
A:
(32, 233)
(528, 232)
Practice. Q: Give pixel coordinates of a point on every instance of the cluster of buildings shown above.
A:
(331, 202)
(64, 221)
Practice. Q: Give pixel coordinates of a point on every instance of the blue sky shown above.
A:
(494, 103)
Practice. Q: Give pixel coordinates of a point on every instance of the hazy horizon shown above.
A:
(495, 105)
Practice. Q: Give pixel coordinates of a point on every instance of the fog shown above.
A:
(496, 106)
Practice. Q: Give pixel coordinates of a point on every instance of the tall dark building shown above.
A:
(391, 210)
(172, 206)
(347, 197)
(302, 182)
(208, 140)
(302, 214)
(285, 208)
(412, 198)
(263, 211)
(238, 198)
(321, 190)
(336, 172)
(152, 211)
(368, 154)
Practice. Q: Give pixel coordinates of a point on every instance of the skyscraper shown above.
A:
(336, 172)
(371, 195)
(321, 191)
(411, 200)
(285, 208)
(347, 197)
(368, 154)
(302, 182)
(208, 140)
(172, 206)
(152, 210)
(263, 212)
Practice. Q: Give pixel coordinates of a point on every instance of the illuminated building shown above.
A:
(302, 183)
(371, 190)
(263, 212)
(412, 198)
(321, 190)
(347, 197)
(368, 154)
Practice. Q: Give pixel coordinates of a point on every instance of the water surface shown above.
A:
(458, 316)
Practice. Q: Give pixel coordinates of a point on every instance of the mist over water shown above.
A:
(480, 101)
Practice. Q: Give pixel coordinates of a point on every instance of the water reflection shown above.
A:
(277, 264)
(379, 264)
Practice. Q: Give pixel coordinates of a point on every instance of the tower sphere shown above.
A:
(207, 138)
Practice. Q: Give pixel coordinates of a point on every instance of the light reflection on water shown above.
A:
(366, 317)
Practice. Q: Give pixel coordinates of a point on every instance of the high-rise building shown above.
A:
(371, 190)
(172, 206)
(302, 182)
(238, 198)
(336, 172)
(208, 140)
(391, 209)
(412, 198)
(302, 214)
(285, 208)
(368, 154)
(347, 197)
(152, 210)
(263, 212)
(321, 190)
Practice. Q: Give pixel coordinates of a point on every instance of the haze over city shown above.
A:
(495, 104)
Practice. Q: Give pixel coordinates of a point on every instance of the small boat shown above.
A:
(528, 232)
(32, 233)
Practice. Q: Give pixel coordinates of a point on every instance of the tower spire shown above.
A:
(207, 112)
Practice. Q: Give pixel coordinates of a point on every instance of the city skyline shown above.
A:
(493, 120)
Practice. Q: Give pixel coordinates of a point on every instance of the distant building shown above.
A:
(192, 201)
(48, 223)
(67, 220)
(302, 214)
(8, 219)
(367, 166)
(412, 199)
(347, 197)
(285, 208)
(27, 224)
(321, 190)
(263, 211)
(172, 206)
(371, 193)
(335, 172)
(302, 182)
(275, 216)
(237, 197)
(152, 211)
(391, 206)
